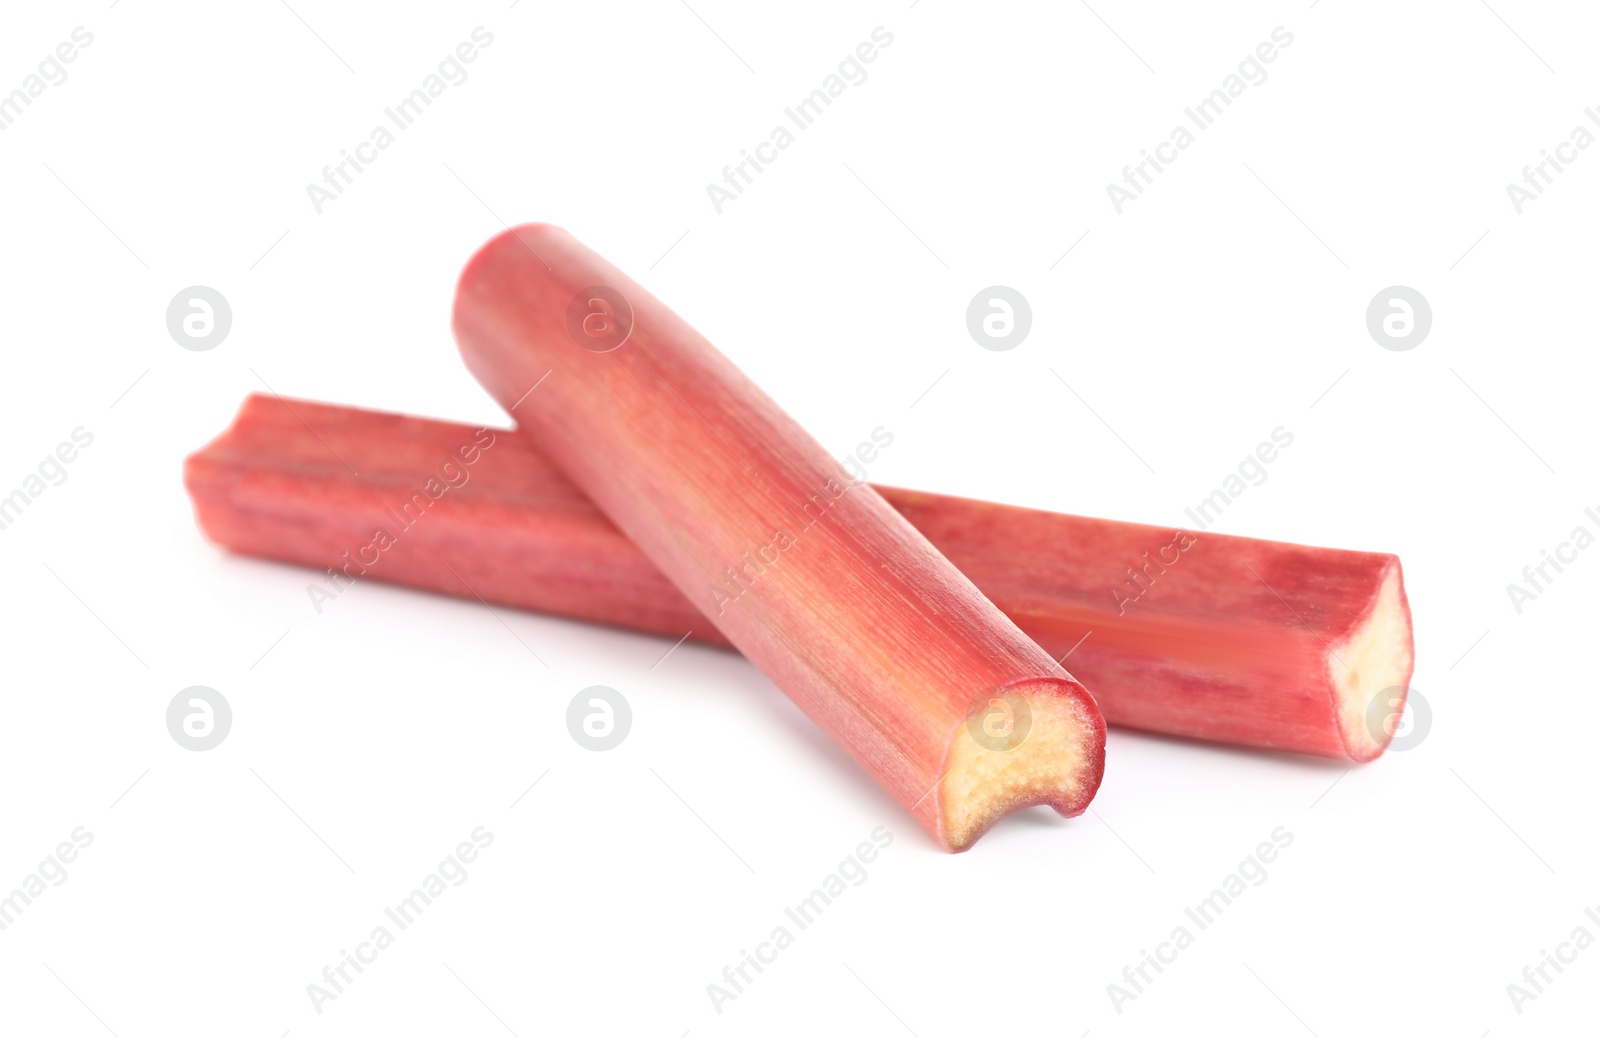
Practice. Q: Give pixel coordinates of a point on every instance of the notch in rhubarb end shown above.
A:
(1040, 741)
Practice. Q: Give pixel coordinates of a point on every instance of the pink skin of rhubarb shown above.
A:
(820, 583)
(1233, 642)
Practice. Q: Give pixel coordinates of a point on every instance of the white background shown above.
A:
(1228, 300)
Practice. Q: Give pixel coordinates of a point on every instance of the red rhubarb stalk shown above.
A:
(829, 591)
(1229, 639)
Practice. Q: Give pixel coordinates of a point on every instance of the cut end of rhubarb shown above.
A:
(1373, 663)
(1037, 742)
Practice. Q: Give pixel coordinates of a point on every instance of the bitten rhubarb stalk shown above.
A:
(807, 571)
(1231, 639)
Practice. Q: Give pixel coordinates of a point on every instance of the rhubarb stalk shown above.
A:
(1230, 639)
(829, 591)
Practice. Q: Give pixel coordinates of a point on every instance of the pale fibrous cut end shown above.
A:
(1041, 742)
(1372, 664)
